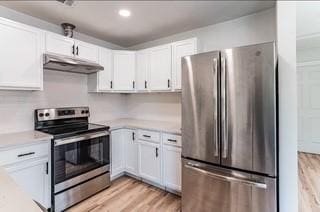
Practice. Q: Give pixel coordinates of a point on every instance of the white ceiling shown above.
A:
(150, 20)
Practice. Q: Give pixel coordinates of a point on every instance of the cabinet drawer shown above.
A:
(149, 135)
(23, 153)
(170, 139)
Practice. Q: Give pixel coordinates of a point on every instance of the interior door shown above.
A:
(208, 188)
(248, 108)
(200, 128)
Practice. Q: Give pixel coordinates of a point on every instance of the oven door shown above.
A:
(80, 155)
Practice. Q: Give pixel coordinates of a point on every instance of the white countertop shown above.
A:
(23, 138)
(162, 126)
(12, 198)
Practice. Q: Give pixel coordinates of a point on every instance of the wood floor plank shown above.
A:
(130, 195)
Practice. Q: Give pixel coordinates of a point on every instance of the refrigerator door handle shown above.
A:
(248, 182)
(224, 123)
(215, 76)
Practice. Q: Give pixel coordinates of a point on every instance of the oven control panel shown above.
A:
(61, 113)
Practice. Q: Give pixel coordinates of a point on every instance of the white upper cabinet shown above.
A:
(179, 50)
(21, 53)
(142, 68)
(160, 68)
(59, 44)
(124, 70)
(86, 51)
(102, 80)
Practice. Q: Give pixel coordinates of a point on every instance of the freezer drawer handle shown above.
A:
(226, 178)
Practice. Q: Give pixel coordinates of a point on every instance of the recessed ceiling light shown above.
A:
(124, 13)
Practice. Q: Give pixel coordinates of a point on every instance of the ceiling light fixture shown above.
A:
(124, 13)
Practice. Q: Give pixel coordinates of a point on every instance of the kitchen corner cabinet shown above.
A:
(160, 68)
(117, 153)
(59, 44)
(21, 53)
(124, 70)
(102, 80)
(150, 161)
(179, 50)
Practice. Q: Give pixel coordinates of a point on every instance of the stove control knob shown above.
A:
(87, 111)
(41, 114)
(82, 111)
(47, 114)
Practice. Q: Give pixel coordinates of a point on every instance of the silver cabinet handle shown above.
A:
(74, 139)
(224, 122)
(248, 182)
(215, 93)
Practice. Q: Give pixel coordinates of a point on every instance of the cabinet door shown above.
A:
(160, 68)
(172, 167)
(149, 161)
(86, 51)
(58, 44)
(21, 51)
(142, 68)
(117, 153)
(32, 177)
(123, 70)
(179, 50)
(105, 76)
(131, 152)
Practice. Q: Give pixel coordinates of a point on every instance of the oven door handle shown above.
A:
(74, 139)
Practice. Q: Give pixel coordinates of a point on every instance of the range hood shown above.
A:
(70, 64)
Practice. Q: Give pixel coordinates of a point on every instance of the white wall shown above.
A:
(60, 90)
(162, 107)
(288, 164)
(252, 29)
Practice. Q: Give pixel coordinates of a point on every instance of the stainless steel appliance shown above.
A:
(70, 64)
(80, 160)
(229, 130)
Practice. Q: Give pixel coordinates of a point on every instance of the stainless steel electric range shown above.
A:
(80, 158)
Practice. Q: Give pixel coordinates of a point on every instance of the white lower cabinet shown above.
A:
(150, 161)
(144, 154)
(33, 178)
(29, 168)
(117, 153)
(131, 152)
(172, 167)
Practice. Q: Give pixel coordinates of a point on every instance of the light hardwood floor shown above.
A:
(309, 182)
(128, 194)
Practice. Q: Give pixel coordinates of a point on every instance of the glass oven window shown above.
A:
(77, 158)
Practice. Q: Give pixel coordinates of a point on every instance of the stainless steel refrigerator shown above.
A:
(229, 130)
